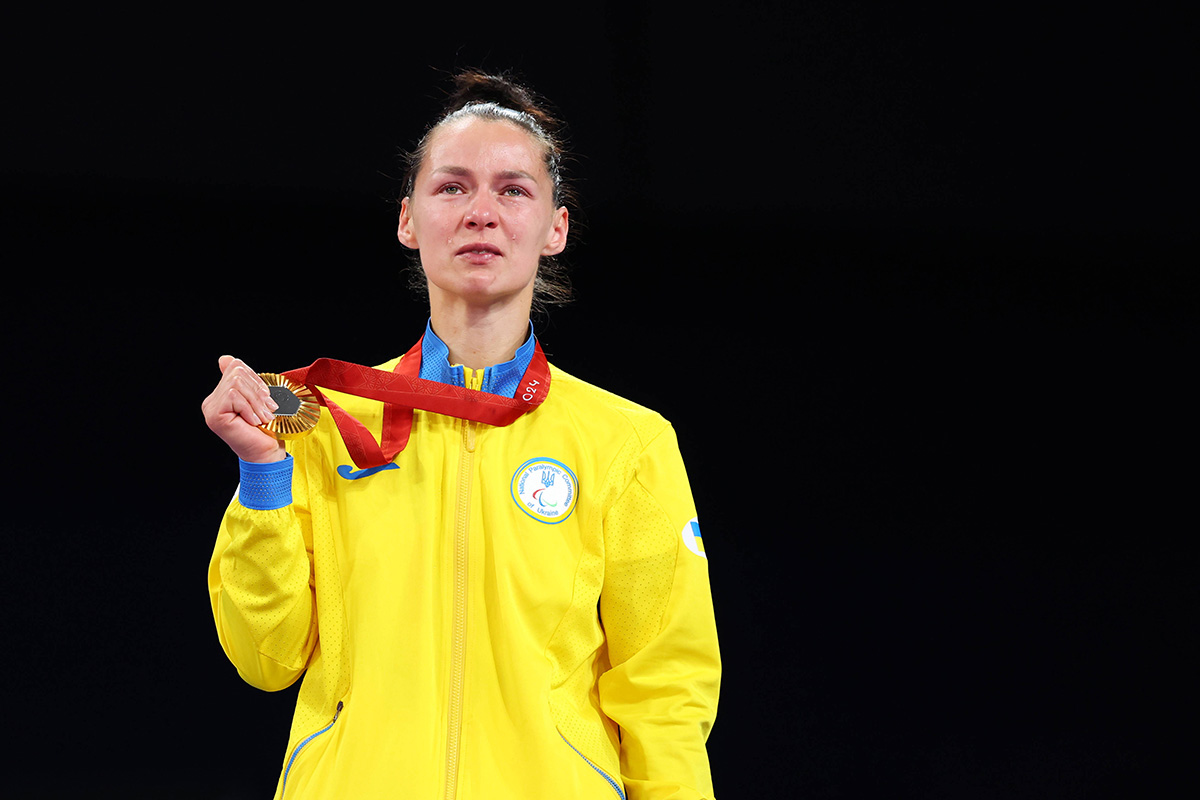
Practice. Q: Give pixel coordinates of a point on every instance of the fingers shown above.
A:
(251, 409)
(246, 394)
(237, 406)
(239, 397)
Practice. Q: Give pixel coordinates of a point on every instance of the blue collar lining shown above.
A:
(501, 379)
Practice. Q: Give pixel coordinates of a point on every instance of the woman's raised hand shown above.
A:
(240, 403)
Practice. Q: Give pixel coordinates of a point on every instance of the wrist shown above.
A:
(279, 453)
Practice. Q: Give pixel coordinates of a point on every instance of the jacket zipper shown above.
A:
(616, 787)
(337, 712)
(458, 645)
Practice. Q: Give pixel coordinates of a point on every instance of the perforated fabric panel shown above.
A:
(640, 569)
(264, 571)
(322, 688)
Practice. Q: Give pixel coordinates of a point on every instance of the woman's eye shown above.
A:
(515, 191)
(452, 189)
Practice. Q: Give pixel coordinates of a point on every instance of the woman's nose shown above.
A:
(482, 213)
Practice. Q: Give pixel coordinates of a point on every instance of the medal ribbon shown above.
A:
(402, 390)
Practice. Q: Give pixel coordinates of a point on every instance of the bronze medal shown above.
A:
(298, 408)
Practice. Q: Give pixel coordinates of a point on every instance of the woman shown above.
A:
(518, 609)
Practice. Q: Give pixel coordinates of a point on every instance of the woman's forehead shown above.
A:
(497, 144)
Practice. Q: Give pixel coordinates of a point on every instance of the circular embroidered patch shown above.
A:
(545, 489)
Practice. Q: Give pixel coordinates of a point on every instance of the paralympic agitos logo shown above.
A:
(545, 490)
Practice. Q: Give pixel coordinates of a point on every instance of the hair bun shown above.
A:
(473, 86)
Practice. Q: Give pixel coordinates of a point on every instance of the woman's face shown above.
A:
(482, 213)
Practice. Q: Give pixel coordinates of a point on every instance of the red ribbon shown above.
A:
(402, 391)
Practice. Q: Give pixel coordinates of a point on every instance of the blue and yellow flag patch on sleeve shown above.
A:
(691, 537)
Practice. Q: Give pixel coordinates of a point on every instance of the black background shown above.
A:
(915, 288)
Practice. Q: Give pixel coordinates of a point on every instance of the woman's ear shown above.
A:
(405, 231)
(556, 242)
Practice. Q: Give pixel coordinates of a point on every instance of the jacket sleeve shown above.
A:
(656, 608)
(260, 582)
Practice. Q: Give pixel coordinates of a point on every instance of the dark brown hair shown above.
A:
(497, 97)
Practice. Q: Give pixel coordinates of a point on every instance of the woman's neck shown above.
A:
(480, 337)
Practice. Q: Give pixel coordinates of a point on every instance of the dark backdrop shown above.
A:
(915, 289)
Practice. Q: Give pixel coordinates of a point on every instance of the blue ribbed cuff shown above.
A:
(266, 487)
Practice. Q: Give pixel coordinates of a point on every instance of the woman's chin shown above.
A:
(481, 290)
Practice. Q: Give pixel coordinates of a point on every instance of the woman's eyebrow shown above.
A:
(508, 174)
(512, 174)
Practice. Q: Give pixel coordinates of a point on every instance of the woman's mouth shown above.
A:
(479, 252)
(479, 248)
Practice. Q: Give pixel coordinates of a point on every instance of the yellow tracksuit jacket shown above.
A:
(503, 612)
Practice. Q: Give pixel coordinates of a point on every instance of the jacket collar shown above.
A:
(502, 379)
